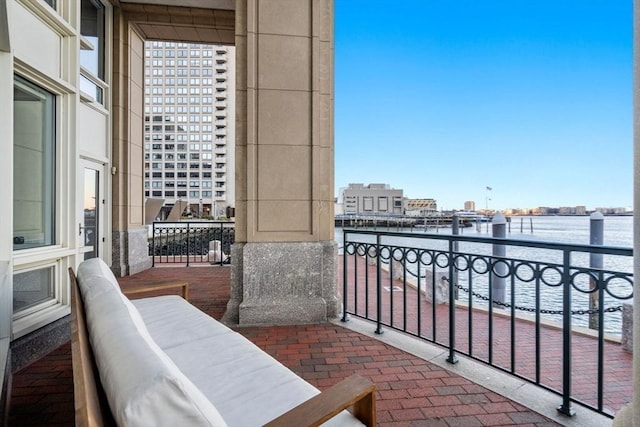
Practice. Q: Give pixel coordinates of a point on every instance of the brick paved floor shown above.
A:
(410, 391)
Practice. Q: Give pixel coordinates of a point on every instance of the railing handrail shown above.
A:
(194, 240)
(573, 247)
(204, 221)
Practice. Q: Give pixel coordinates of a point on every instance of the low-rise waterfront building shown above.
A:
(422, 206)
(612, 211)
(372, 199)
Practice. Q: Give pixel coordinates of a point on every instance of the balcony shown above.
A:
(409, 387)
(531, 316)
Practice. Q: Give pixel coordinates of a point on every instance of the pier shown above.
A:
(399, 221)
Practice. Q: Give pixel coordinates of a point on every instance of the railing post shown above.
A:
(566, 408)
(344, 276)
(188, 238)
(452, 310)
(153, 244)
(221, 241)
(455, 230)
(378, 286)
(499, 227)
(596, 237)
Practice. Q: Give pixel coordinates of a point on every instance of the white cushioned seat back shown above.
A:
(143, 386)
(92, 270)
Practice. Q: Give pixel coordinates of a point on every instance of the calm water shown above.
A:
(618, 231)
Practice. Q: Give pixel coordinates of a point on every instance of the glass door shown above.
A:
(90, 230)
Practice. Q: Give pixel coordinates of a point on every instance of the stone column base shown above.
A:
(130, 252)
(624, 417)
(283, 283)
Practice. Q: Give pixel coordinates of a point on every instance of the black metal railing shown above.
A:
(187, 242)
(503, 306)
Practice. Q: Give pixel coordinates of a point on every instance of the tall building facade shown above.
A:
(189, 128)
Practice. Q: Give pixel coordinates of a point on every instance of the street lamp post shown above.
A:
(487, 198)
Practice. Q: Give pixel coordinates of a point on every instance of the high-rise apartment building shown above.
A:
(189, 126)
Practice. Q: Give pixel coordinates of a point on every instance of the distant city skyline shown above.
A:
(444, 99)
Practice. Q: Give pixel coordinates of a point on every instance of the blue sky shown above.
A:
(443, 98)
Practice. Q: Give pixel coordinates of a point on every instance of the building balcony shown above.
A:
(221, 132)
(219, 67)
(221, 84)
(414, 384)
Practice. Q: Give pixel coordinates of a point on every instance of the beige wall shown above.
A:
(284, 120)
(128, 82)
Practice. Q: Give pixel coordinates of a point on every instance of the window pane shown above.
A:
(92, 30)
(32, 288)
(33, 166)
(90, 88)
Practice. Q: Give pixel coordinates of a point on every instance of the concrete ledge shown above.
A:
(533, 397)
(33, 346)
(286, 311)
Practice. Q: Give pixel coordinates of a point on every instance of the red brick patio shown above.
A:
(410, 391)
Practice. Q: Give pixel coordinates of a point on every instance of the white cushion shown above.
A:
(91, 275)
(228, 368)
(143, 386)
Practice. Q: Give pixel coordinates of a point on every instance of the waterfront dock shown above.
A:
(399, 221)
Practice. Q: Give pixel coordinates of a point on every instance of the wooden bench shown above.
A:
(92, 407)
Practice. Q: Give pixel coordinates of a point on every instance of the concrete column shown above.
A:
(129, 235)
(629, 416)
(285, 258)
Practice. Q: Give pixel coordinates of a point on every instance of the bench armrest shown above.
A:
(152, 288)
(355, 391)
